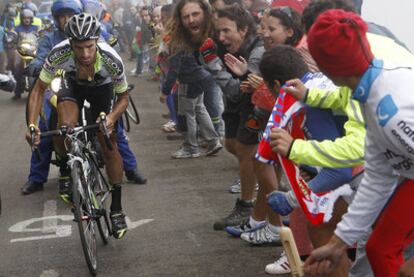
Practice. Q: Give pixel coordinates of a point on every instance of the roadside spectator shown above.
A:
(237, 33)
(384, 195)
(191, 25)
(3, 56)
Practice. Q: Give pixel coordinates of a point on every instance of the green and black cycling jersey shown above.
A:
(108, 67)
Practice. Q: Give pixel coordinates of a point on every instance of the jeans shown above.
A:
(140, 63)
(213, 100)
(171, 108)
(128, 157)
(195, 112)
(39, 169)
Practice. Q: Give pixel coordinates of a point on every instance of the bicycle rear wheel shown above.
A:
(125, 122)
(84, 216)
(102, 193)
(132, 111)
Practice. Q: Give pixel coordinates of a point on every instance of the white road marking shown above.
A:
(50, 224)
(59, 231)
(50, 228)
(49, 273)
(135, 224)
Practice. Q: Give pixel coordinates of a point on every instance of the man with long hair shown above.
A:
(191, 25)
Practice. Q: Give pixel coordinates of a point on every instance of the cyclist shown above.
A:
(93, 72)
(62, 10)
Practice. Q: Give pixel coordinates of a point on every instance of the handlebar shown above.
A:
(107, 138)
(65, 130)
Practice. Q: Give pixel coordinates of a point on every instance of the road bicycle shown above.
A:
(91, 189)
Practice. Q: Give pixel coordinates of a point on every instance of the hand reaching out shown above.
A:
(323, 260)
(255, 80)
(237, 66)
(296, 88)
(245, 87)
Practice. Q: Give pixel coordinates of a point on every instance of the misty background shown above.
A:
(396, 15)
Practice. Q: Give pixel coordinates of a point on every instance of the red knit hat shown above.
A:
(338, 43)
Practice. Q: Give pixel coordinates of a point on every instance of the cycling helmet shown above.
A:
(94, 8)
(11, 12)
(26, 13)
(30, 6)
(83, 27)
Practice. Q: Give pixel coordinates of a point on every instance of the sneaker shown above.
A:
(169, 127)
(261, 236)
(244, 227)
(279, 202)
(236, 187)
(280, 266)
(65, 189)
(241, 212)
(182, 153)
(135, 177)
(119, 226)
(214, 148)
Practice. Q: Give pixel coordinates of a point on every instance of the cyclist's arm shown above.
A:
(120, 105)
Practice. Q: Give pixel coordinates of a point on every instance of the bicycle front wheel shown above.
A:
(85, 217)
(102, 193)
(132, 111)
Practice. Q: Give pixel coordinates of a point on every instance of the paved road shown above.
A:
(171, 217)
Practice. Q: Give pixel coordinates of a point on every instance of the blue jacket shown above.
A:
(2, 33)
(187, 70)
(45, 45)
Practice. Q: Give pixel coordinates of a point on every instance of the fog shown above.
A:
(396, 15)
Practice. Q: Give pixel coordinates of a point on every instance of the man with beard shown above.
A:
(191, 25)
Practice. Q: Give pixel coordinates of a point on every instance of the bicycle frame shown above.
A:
(90, 190)
(83, 152)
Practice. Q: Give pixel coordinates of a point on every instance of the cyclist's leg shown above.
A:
(69, 100)
(101, 100)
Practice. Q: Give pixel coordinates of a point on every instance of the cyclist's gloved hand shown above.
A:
(208, 50)
(33, 140)
(109, 123)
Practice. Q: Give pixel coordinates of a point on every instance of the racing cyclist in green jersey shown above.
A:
(93, 71)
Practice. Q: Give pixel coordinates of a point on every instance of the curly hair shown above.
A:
(180, 37)
(290, 19)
